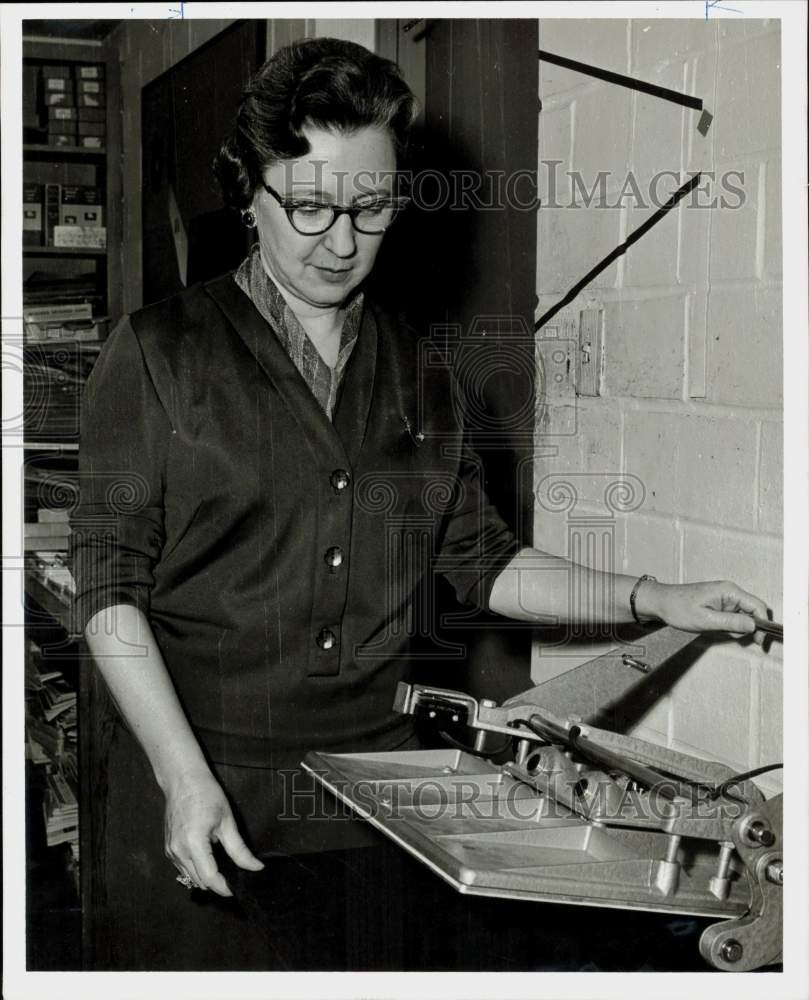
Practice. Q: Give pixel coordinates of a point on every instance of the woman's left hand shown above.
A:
(702, 607)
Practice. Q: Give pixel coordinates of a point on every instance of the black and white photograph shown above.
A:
(405, 493)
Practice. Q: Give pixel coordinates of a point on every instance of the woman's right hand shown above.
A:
(198, 814)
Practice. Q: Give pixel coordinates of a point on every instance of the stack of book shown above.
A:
(51, 742)
(74, 103)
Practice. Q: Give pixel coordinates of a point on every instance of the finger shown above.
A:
(238, 851)
(748, 602)
(205, 864)
(729, 621)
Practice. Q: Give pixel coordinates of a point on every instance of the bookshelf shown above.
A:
(71, 298)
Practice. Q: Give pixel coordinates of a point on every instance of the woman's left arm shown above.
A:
(536, 586)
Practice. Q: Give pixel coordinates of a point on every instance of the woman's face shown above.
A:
(340, 168)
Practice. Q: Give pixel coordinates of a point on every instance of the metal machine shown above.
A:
(577, 813)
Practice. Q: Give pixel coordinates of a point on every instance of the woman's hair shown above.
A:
(321, 82)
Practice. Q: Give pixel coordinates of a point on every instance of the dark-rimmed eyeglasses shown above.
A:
(312, 218)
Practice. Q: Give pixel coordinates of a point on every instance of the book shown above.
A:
(32, 231)
(53, 198)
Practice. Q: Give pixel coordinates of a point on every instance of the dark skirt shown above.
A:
(335, 895)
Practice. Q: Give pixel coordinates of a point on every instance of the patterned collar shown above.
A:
(323, 381)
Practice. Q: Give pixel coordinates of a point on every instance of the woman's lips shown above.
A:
(335, 275)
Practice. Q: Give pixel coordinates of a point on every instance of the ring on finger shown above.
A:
(186, 881)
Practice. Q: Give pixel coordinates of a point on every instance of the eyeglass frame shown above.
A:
(290, 204)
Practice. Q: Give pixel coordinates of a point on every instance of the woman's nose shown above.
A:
(341, 238)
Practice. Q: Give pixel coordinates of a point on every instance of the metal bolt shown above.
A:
(775, 872)
(731, 950)
(761, 833)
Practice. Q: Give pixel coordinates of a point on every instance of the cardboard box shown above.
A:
(91, 141)
(61, 138)
(54, 97)
(95, 72)
(91, 87)
(84, 100)
(92, 114)
(92, 128)
(61, 71)
(62, 114)
(32, 231)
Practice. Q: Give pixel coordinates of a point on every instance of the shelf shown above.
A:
(51, 445)
(85, 345)
(31, 251)
(45, 150)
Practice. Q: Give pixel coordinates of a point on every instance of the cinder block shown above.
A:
(571, 241)
(598, 42)
(652, 261)
(644, 348)
(693, 466)
(771, 716)
(697, 345)
(733, 240)
(657, 126)
(700, 148)
(603, 132)
(652, 546)
(667, 39)
(745, 346)
(738, 29)
(554, 146)
(711, 707)
(748, 97)
(752, 561)
(599, 437)
(771, 479)
(773, 243)
(694, 240)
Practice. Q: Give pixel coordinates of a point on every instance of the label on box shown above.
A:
(91, 141)
(90, 72)
(57, 97)
(91, 87)
(55, 83)
(59, 139)
(65, 114)
(90, 100)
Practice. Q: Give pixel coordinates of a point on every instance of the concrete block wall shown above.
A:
(690, 373)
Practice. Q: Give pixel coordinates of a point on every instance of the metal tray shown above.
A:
(487, 834)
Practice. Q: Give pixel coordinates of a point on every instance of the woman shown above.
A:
(246, 604)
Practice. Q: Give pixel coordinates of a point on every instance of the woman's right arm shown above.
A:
(197, 811)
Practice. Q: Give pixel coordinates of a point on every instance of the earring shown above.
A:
(249, 218)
